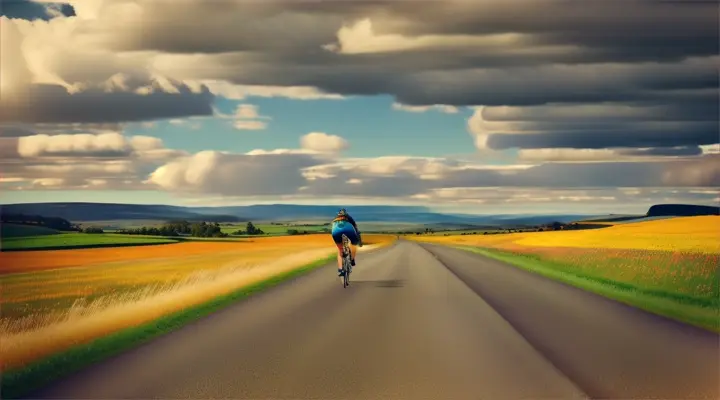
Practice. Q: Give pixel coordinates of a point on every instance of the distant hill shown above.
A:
(108, 211)
(87, 212)
(18, 230)
(681, 210)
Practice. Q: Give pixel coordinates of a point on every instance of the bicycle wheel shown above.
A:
(346, 262)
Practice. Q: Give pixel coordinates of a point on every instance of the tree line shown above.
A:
(179, 228)
(57, 223)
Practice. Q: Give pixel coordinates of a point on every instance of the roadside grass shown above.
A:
(701, 311)
(22, 381)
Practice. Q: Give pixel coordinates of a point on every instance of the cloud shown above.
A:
(53, 74)
(324, 143)
(79, 161)
(420, 109)
(241, 92)
(610, 155)
(308, 173)
(704, 171)
(592, 127)
(110, 144)
(246, 117)
(212, 172)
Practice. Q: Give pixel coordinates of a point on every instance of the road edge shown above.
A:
(16, 383)
(611, 290)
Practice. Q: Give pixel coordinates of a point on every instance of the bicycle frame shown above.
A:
(347, 263)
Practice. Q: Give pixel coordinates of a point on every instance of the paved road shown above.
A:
(418, 322)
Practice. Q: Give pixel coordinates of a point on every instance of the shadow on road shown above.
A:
(393, 283)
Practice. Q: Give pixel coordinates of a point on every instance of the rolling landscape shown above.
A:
(366, 199)
(74, 293)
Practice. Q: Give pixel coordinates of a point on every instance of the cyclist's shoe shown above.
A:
(340, 273)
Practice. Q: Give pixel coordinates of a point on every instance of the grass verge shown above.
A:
(700, 312)
(22, 381)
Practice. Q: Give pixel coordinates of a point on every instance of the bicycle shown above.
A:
(347, 263)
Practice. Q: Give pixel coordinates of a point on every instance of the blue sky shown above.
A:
(481, 108)
(365, 121)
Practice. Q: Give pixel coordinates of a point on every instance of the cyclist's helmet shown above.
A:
(342, 212)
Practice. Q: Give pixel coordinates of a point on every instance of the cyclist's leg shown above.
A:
(337, 238)
(354, 241)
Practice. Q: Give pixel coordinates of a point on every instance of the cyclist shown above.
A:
(344, 224)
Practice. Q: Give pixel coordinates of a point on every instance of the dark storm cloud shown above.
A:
(30, 10)
(663, 151)
(53, 104)
(624, 135)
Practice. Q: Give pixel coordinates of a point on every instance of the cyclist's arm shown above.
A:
(354, 224)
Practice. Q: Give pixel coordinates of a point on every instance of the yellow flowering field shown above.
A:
(676, 255)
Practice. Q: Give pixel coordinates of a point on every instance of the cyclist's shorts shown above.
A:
(344, 228)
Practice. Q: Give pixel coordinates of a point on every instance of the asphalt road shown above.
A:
(418, 322)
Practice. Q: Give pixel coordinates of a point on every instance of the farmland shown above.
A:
(54, 299)
(671, 265)
(77, 240)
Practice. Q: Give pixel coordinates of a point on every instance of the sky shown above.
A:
(527, 106)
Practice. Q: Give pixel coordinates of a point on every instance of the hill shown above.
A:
(110, 211)
(87, 212)
(681, 210)
(18, 230)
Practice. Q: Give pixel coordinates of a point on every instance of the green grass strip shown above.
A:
(19, 382)
(703, 313)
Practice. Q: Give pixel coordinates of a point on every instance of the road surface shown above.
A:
(418, 322)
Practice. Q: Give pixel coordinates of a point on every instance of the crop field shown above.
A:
(76, 239)
(675, 259)
(273, 229)
(52, 300)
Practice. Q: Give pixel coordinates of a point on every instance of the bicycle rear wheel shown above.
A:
(346, 262)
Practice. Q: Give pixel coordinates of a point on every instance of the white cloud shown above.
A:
(247, 117)
(324, 143)
(249, 125)
(360, 38)
(241, 92)
(420, 109)
(103, 144)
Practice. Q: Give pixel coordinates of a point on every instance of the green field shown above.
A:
(77, 240)
(17, 230)
(274, 229)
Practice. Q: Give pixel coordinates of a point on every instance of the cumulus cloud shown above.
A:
(247, 117)
(78, 161)
(53, 74)
(396, 176)
(110, 144)
(234, 174)
(322, 142)
(628, 101)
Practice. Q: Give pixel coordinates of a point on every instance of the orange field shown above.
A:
(26, 261)
(53, 299)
